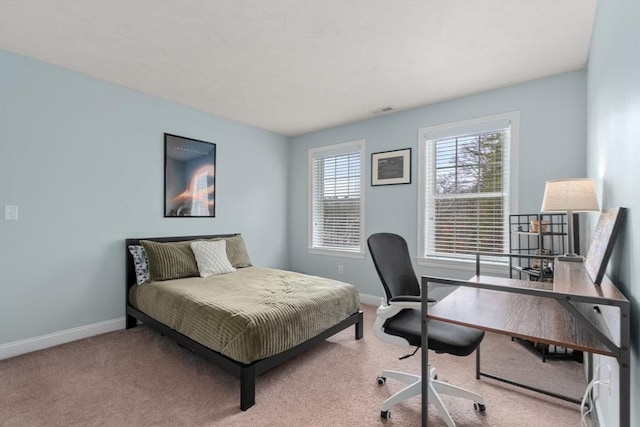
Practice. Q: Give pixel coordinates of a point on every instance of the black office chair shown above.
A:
(398, 322)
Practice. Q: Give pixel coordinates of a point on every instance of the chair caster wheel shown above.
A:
(385, 414)
(479, 407)
(381, 380)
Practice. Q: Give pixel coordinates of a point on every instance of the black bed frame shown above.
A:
(247, 373)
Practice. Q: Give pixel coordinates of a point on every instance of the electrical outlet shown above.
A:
(340, 269)
(11, 212)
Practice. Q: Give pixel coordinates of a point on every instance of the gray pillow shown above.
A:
(171, 260)
(236, 251)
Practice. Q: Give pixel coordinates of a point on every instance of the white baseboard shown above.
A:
(28, 345)
(370, 299)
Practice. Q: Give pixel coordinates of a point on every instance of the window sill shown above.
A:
(465, 264)
(337, 253)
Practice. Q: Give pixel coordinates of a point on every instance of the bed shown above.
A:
(245, 321)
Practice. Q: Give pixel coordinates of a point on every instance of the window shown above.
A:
(466, 181)
(336, 211)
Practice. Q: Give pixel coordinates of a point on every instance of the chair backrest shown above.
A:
(391, 257)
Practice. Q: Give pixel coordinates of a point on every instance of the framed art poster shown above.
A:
(189, 177)
(391, 167)
(602, 243)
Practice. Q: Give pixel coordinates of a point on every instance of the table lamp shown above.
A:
(570, 195)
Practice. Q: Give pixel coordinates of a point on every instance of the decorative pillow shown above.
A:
(211, 257)
(171, 260)
(236, 251)
(140, 263)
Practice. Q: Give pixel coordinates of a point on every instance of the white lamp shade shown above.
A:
(570, 195)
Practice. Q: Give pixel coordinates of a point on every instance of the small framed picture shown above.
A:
(391, 167)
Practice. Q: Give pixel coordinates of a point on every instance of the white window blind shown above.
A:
(467, 192)
(336, 209)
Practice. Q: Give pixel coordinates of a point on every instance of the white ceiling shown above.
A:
(294, 67)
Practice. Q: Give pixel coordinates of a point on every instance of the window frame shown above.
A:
(465, 127)
(357, 146)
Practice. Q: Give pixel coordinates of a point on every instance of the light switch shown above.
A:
(11, 212)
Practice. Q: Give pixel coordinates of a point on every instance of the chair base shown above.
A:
(435, 388)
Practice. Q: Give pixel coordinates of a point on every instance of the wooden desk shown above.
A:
(570, 312)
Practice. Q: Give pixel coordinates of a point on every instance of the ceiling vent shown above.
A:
(383, 110)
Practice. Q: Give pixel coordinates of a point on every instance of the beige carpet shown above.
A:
(139, 378)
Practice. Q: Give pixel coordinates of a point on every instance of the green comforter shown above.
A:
(250, 314)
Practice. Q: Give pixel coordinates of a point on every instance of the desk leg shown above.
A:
(478, 362)
(624, 363)
(625, 390)
(479, 374)
(425, 354)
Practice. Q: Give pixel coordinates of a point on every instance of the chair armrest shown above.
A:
(410, 298)
(399, 303)
(408, 301)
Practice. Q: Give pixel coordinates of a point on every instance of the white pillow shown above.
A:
(211, 257)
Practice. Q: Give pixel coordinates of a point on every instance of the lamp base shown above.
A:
(570, 257)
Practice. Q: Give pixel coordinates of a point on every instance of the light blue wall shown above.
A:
(83, 160)
(552, 139)
(613, 160)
